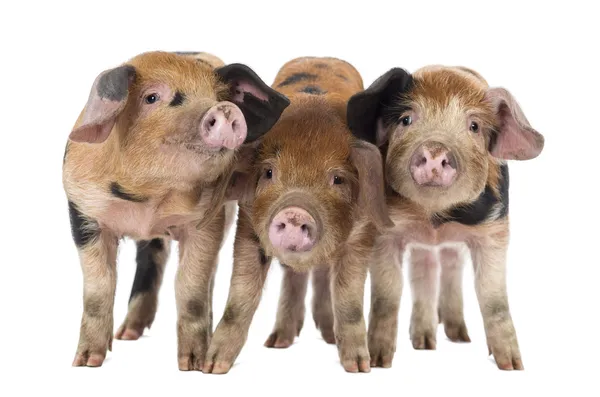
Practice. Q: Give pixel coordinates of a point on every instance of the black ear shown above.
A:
(366, 107)
(261, 105)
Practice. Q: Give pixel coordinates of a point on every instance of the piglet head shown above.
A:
(173, 116)
(312, 182)
(440, 129)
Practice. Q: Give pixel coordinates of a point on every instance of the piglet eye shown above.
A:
(150, 99)
(406, 120)
(337, 180)
(269, 173)
(474, 127)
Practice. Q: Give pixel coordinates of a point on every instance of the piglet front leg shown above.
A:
(348, 287)
(199, 250)
(250, 268)
(98, 258)
(489, 261)
(386, 291)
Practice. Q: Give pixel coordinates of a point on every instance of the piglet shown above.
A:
(315, 201)
(445, 137)
(150, 158)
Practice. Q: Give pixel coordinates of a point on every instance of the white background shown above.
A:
(545, 54)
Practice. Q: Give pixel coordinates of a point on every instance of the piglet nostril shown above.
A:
(212, 122)
(444, 163)
(280, 226)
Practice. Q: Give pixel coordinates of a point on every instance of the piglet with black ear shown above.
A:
(150, 158)
(445, 136)
(315, 201)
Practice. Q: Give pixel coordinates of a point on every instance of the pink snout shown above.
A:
(293, 230)
(223, 125)
(433, 165)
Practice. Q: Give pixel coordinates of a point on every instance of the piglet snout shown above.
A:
(293, 230)
(433, 165)
(223, 125)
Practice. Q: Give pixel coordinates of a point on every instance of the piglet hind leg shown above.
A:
(290, 311)
(322, 309)
(489, 261)
(152, 256)
(199, 251)
(424, 280)
(98, 262)
(450, 306)
(250, 267)
(386, 291)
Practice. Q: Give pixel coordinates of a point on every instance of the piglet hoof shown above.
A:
(217, 368)
(324, 323)
(457, 332)
(381, 350)
(129, 332)
(280, 339)
(225, 346)
(193, 339)
(424, 342)
(328, 335)
(88, 356)
(87, 359)
(507, 356)
(91, 352)
(354, 356)
(423, 334)
(190, 362)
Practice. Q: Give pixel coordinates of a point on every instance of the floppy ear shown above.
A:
(366, 109)
(515, 138)
(261, 105)
(107, 99)
(242, 183)
(371, 185)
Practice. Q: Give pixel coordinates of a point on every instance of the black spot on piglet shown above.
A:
(177, 99)
(297, 77)
(114, 84)
(313, 89)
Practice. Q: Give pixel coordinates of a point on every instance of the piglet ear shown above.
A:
(261, 105)
(107, 99)
(242, 184)
(515, 138)
(366, 109)
(371, 195)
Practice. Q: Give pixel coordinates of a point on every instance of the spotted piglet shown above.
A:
(315, 201)
(150, 158)
(445, 136)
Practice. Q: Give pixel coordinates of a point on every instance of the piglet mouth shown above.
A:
(199, 147)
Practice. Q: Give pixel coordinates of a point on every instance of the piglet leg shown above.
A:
(322, 308)
(450, 306)
(98, 261)
(250, 267)
(291, 310)
(151, 258)
(489, 261)
(198, 254)
(386, 290)
(424, 279)
(348, 285)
